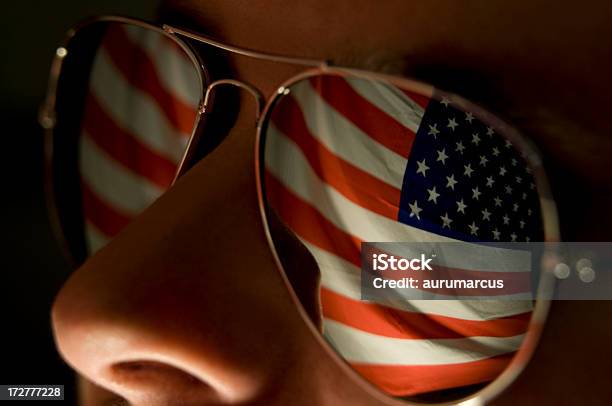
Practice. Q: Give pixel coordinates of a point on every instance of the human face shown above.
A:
(171, 289)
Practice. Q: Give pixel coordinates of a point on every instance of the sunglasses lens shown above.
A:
(127, 104)
(350, 160)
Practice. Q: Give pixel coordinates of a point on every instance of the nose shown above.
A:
(185, 306)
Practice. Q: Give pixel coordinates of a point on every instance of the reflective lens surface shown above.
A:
(127, 104)
(350, 160)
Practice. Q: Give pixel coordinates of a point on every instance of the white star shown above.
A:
(475, 193)
(508, 144)
(496, 234)
(532, 186)
(515, 207)
(461, 206)
(475, 138)
(514, 161)
(433, 195)
(518, 179)
(524, 196)
(468, 170)
(529, 212)
(445, 101)
(508, 189)
(433, 130)
(415, 210)
(486, 215)
(469, 117)
(495, 151)
(502, 171)
(483, 160)
(527, 239)
(498, 201)
(451, 182)
(490, 181)
(442, 156)
(522, 224)
(506, 219)
(446, 220)
(490, 131)
(473, 228)
(513, 236)
(452, 124)
(422, 167)
(528, 169)
(460, 147)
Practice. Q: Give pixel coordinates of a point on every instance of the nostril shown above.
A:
(143, 374)
(146, 372)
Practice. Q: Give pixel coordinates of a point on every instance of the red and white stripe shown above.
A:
(139, 113)
(336, 152)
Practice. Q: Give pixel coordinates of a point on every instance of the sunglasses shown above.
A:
(342, 157)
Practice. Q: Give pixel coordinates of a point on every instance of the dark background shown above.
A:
(33, 268)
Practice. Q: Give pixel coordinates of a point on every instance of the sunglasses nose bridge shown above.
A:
(252, 90)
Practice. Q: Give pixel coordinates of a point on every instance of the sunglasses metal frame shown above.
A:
(47, 120)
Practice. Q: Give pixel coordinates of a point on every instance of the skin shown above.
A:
(173, 291)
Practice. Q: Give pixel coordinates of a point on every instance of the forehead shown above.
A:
(426, 31)
(542, 68)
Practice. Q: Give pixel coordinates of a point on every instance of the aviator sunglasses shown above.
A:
(342, 156)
